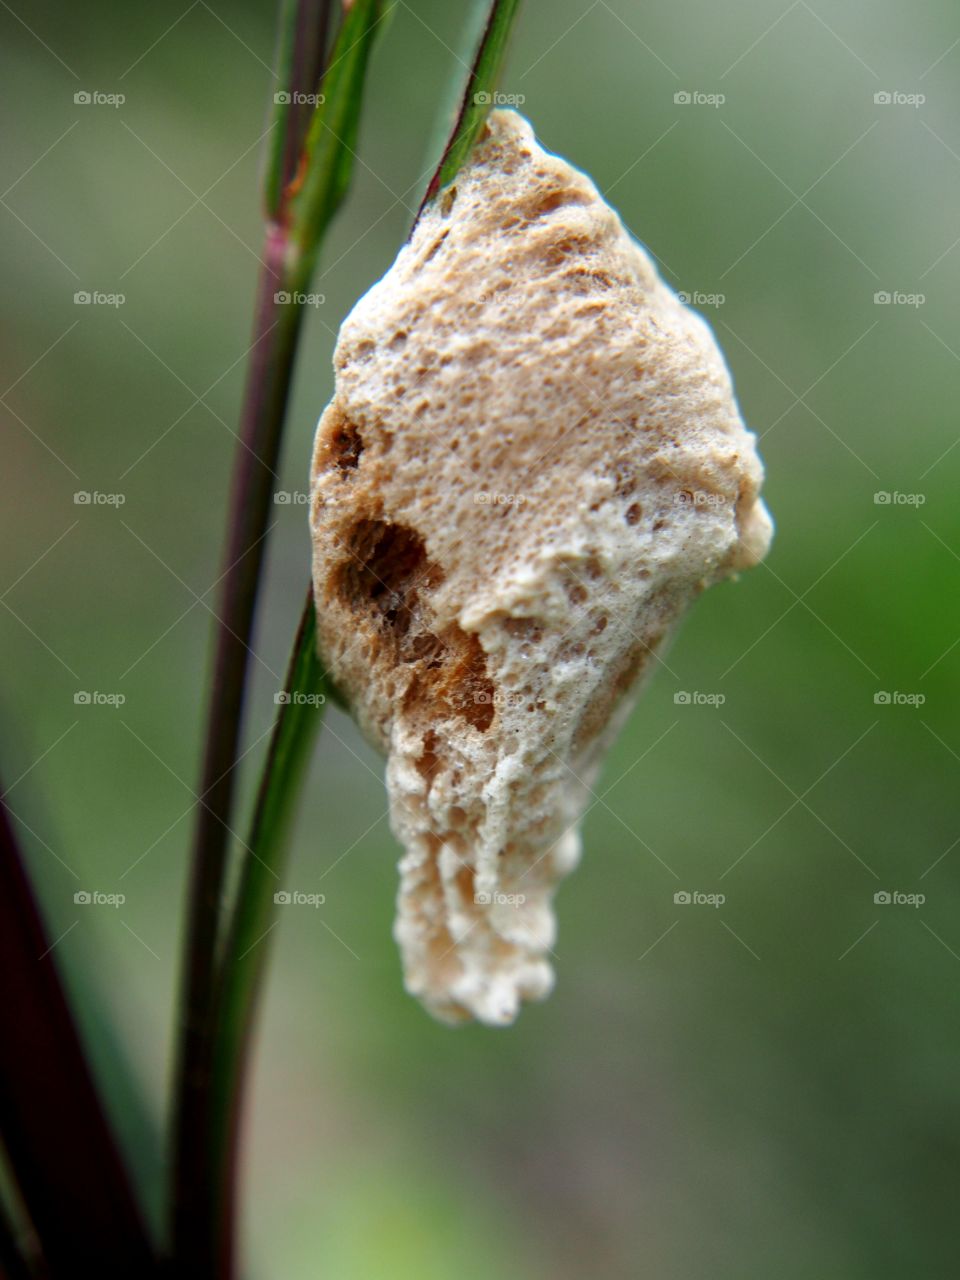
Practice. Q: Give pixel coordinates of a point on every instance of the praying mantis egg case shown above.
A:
(532, 463)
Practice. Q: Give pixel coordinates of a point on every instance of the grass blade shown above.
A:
(302, 214)
(304, 29)
(477, 95)
(291, 744)
(60, 1145)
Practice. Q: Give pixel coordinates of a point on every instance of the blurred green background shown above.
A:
(765, 1088)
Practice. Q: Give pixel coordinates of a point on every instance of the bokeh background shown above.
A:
(767, 1087)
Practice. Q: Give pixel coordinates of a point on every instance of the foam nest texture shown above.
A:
(532, 463)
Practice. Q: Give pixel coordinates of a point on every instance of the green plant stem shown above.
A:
(475, 104)
(294, 734)
(301, 199)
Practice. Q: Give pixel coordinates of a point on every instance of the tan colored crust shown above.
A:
(532, 463)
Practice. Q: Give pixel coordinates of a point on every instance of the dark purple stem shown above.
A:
(67, 1166)
(265, 399)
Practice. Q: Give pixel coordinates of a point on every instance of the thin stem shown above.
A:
(304, 36)
(291, 744)
(299, 211)
(268, 382)
(477, 96)
(66, 1163)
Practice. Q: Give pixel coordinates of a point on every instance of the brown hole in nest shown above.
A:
(386, 577)
(387, 567)
(346, 446)
(428, 760)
